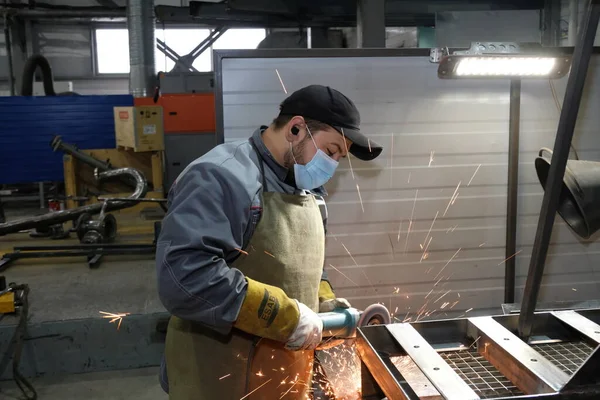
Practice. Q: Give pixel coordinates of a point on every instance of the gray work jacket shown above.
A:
(214, 206)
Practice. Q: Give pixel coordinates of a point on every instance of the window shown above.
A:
(112, 47)
(240, 39)
(112, 51)
(183, 41)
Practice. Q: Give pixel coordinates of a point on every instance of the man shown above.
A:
(241, 251)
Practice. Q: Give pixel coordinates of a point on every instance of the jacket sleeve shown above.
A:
(208, 214)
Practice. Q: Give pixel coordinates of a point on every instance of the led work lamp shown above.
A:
(486, 61)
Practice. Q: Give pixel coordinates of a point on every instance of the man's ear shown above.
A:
(294, 129)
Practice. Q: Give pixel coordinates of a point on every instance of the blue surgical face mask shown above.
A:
(316, 172)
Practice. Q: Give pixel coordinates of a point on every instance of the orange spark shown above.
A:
(242, 251)
(266, 252)
(344, 275)
(242, 398)
(470, 309)
(280, 81)
(114, 317)
(224, 376)
(474, 342)
(505, 260)
(259, 373)
(449, 261)
(474, 174)
(400, 230)
(481, 245)
(411, 221)
(369, 143)
(455, 197)
(452, 198)
(360, 198)
(442, 296)
(346, 144)
(355, 263)
(424, 256)
(431, 227)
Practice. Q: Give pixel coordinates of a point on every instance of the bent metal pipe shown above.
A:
(58, 217)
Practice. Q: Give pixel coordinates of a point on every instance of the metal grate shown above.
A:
(568, 356)
(480, 375)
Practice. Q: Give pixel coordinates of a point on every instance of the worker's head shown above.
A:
(321, 126)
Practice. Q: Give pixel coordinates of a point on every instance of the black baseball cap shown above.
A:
(331, 107)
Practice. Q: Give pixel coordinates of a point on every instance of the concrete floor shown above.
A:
(139, 384)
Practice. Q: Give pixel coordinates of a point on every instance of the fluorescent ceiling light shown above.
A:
(503, 66)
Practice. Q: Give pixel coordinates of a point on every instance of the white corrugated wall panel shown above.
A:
(444, 132)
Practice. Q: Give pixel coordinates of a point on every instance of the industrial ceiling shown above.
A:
(269, 13)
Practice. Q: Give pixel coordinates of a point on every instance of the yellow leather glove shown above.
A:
(267, 312)
(327, 300)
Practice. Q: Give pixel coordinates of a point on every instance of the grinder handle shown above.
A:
(340, 322)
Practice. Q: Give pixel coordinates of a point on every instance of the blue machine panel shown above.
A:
(28, 124)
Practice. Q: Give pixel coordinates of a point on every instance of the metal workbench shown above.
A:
(555, 354)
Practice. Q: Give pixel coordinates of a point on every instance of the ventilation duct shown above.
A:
(141, 24)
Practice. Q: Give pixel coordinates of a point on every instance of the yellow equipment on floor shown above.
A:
(7, 298)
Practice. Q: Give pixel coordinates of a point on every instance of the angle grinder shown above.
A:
(342, 322)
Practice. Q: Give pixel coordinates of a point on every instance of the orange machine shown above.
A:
(185, 113)
(189, 128)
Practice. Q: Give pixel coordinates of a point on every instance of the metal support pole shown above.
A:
(562, 143)
(573, 22)
(42, 196)
(184, 63)
(370, 23)
(7, 42)
(551, 23)
(2, 216)
(172, 54)
(206, 43)
(513, 189)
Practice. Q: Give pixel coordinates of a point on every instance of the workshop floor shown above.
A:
(140, 384)
(66, 289)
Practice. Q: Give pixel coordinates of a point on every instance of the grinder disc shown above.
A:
(375, 314)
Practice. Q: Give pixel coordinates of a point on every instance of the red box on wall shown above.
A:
(185, 113)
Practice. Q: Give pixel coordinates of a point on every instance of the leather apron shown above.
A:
(287, 250)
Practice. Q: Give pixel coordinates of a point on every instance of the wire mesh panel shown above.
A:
(568, 356)
(480, 375)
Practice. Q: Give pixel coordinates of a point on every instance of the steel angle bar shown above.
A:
(380, 372)
(521, 364)
(433, 366)
(580, 323)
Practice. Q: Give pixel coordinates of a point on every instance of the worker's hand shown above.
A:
(327, 300)
(308, 332)
(332, 304)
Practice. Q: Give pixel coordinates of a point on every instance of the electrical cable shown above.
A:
(559, 108)
(18, 339)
